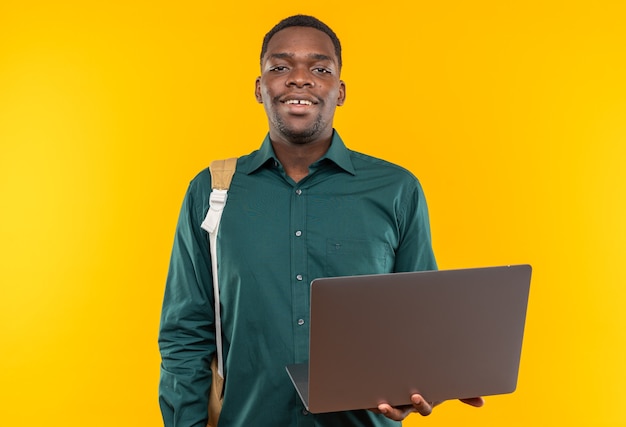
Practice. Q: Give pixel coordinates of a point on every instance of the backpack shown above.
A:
(222, 172)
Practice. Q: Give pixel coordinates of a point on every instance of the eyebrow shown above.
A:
(316, 56)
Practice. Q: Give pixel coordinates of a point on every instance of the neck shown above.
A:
(296, 158)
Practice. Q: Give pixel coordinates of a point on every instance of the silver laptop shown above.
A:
(445, 334)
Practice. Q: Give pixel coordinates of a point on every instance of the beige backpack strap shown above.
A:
(222, 172)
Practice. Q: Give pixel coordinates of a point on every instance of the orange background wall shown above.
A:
(512, 114)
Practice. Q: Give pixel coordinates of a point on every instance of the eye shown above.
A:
(278, 68)
(322, 70)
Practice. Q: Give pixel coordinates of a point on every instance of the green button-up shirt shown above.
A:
(353, 214)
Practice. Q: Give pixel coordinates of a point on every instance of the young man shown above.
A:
(302, 206)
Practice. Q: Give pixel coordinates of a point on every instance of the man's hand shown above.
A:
(419, 405)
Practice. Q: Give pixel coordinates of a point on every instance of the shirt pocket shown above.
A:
(351, 257)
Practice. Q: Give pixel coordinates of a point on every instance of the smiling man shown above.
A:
(303, 206)
(300, 89)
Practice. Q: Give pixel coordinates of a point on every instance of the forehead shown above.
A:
(301, 40)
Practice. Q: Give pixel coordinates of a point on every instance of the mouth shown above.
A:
(296, 100)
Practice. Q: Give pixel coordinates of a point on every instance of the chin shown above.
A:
(299, 134)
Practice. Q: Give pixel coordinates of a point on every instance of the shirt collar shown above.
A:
(337, 153)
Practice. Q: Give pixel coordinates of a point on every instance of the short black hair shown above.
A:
(302, 21)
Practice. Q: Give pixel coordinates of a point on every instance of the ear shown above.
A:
(257, 90)
(342, 93)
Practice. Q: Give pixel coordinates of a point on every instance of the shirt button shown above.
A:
(305, 412)
(299, 277)
(298, 191)
(298, 233)
(300, 322)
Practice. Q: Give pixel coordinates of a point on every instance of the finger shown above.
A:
(421, 405)
(396, 414)
(476, 402)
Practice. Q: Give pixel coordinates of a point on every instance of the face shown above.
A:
(299, 85)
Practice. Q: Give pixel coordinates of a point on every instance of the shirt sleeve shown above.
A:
(415, 251)
(187, 334)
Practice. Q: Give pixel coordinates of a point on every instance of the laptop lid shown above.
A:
(445, 334)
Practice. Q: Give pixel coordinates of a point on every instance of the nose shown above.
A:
(300, 77)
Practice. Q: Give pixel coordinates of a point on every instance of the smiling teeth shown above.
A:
(299, 101)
